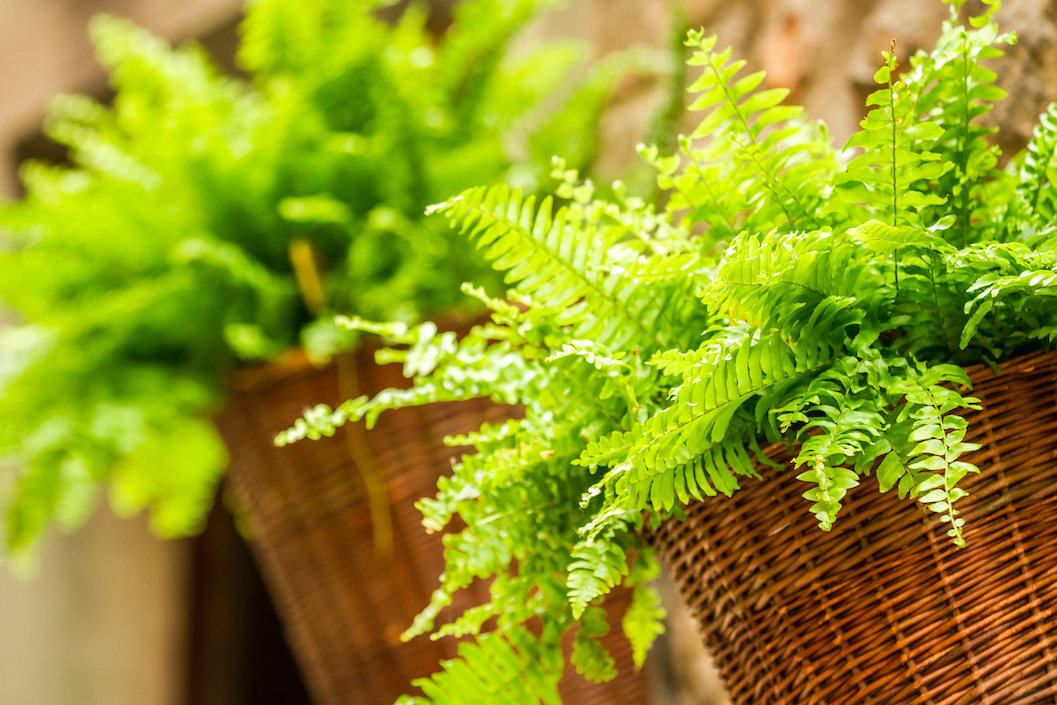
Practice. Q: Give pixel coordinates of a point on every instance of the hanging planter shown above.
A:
(139, 280)
(210, 224)
(886, 609)
(340, 543)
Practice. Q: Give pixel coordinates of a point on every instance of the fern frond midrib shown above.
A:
(708, 189)
(772, 184)
(729, 97)
(732, 283)
(895, 160)
(740, 397)
(940, 318)
(526, 236)
(736, 107)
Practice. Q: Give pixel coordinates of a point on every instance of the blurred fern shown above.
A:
(166, 255)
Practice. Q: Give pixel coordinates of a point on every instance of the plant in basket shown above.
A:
(208, 223)
(810, 318)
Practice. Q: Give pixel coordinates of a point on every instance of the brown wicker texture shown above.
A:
(307, 506)
(883, 609)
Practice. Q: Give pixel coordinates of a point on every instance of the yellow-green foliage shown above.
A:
(141, 275)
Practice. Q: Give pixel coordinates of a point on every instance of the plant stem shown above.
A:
(303, 261)
(373, 478)
(963, 146)
(309, 282)
(892, 66)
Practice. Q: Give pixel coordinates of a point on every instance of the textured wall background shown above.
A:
(826, 51)
(102, 623)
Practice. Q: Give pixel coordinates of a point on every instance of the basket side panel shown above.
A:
(883, 608)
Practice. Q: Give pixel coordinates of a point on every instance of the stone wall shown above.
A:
(827, 52)
(824, 51)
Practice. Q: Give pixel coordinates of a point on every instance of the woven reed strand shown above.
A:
(342, 607)
(883, 609)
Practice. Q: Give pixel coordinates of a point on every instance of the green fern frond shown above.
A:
(494, 669)
(558, 263)
(779, 282)
(937, 437)
(759, 167)
(698, 441)
(590, 658)
(1036, 190)
(894, 156)
(953, 89)
(643, 621)
(443, 371)
(597, 567)
(1016, 279)
(842, 424)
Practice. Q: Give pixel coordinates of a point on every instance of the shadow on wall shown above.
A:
(238, 654)
(684, 672)
(103, 621)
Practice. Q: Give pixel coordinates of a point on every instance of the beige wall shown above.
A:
(44, 50)
(102, 623)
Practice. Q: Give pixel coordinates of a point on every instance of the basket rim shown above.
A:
(295, 363)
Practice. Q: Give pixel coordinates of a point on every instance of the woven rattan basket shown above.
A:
(343, 595)
(883, 609)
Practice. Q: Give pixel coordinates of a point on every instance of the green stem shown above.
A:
(963, 147)
(939, 310)
(892, 66)
(708, 188)
(895, 266)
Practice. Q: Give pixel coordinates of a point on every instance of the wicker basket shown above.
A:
(883, 609)
(344, 596)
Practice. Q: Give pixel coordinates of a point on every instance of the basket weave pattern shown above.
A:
(343, 607)
(883, 608)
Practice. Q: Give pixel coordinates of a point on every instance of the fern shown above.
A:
(1034, 190)
(560, 261)
(954, 90)
(750, 172)
(776, 297)
(642, 622)
(589, 656)
(893, 157)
